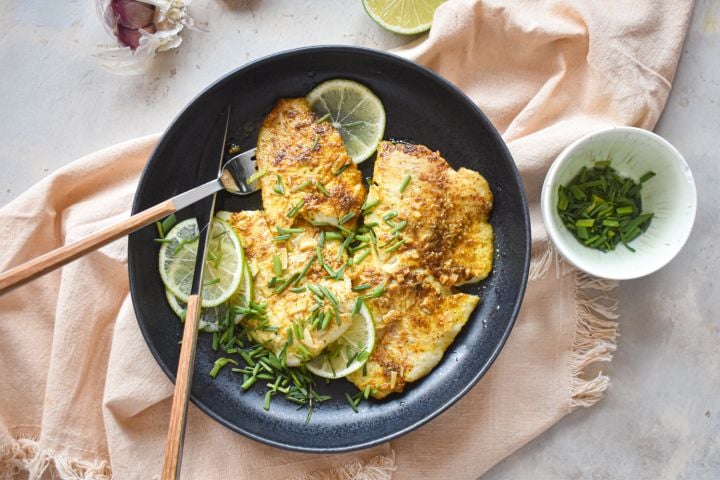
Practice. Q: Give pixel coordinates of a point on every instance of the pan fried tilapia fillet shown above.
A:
(446, 212)
(431, 236)
(289, 311)
(416, 320)
(308, 158)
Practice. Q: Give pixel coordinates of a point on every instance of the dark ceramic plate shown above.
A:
(421, 107)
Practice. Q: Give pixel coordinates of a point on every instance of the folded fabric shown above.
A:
(82, 396)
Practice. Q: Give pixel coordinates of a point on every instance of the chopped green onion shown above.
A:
(376, 293)
(277, 265)
(290, 231)
(219, 364)
(315, 142)
(361, 287)
(405, 184)
(322, 189)
(389, 215)
(279, 188)
(647, 177)
(282, 238)
(369, 205)
(341, 169)
(294, 210)
(396, 246)
(305, 269)
(303, 185)
(357, 260)
(324, 118)
(333, 236)
(346, 218)
(255, 177)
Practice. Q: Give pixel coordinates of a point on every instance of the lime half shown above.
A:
(224, 263)
(355, 111)
(349, 352)
(402, 16)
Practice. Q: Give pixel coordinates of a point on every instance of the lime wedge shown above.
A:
(210, 317)
(223, 265)
(355, 111)
(407, 17)
(349, 352)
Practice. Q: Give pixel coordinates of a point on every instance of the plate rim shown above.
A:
(343, 49)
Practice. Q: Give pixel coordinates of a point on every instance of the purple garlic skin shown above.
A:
(131, 16)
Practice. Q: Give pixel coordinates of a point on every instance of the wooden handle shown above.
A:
(183, 380)
(67, 253)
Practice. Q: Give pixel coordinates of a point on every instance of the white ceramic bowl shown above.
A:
(670, 195)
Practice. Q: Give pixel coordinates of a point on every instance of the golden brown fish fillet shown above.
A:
(287, 310)
(416, 320)
(446, 213)
(310, 161)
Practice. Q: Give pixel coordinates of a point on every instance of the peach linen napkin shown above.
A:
(81, 396)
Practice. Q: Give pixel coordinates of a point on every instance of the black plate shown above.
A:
(421, 107)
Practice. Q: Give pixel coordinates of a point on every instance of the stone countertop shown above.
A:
(661, 417)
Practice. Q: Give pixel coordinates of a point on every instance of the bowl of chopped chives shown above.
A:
(619, 203)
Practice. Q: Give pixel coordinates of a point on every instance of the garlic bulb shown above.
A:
(141, 27)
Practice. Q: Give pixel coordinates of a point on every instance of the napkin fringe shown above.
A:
(25, 455)
(379, 467)
(595, 325)
(595, 334)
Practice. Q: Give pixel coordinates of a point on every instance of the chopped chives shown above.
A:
(362, 238)
(303, 185)
(399, 227)
(377, 292)
(333, 236)
(357, 306)
(290, 231)
(322, 189)
(389, 215)
(279, 188)
(357, 260)
(268, 398)
(341, 169)
(304, 271)
(283, 286)
(369, 205)
(395, 246)
(601, 208)
(255, 177)
(647, 177)
(219, 364)
(346, 218)
(282, 238)
(361, 287)
(315, 142)
(405, 184)
(294, 210)
(277, 265)
(321, 239)
(350, 401)
(324, 118)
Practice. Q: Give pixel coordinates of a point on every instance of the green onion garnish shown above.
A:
(333, 236)
(255, 177)
(305, 269)
(282, 238)
(389, 215)
(341, 169)
(369, 205)
(322, 189)
(303, 185)
(290, 231)
(315, 142)
(324, 118)
(346, 218)
(277, 265)
(219, 364)
(377, 292)
(279, 188)
(361, 287)
(405, 184)
(647, 177)
(357, 260)
(601, 208)
(294, 210)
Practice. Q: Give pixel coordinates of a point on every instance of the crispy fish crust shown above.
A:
(294, 146)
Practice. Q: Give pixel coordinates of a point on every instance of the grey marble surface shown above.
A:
(660, 418)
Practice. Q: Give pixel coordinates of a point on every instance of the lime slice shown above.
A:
(223, 215)
(359, 338)
(355, 111)
(210, 317)
(244, 295)
(402, 16)
(223, 265)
